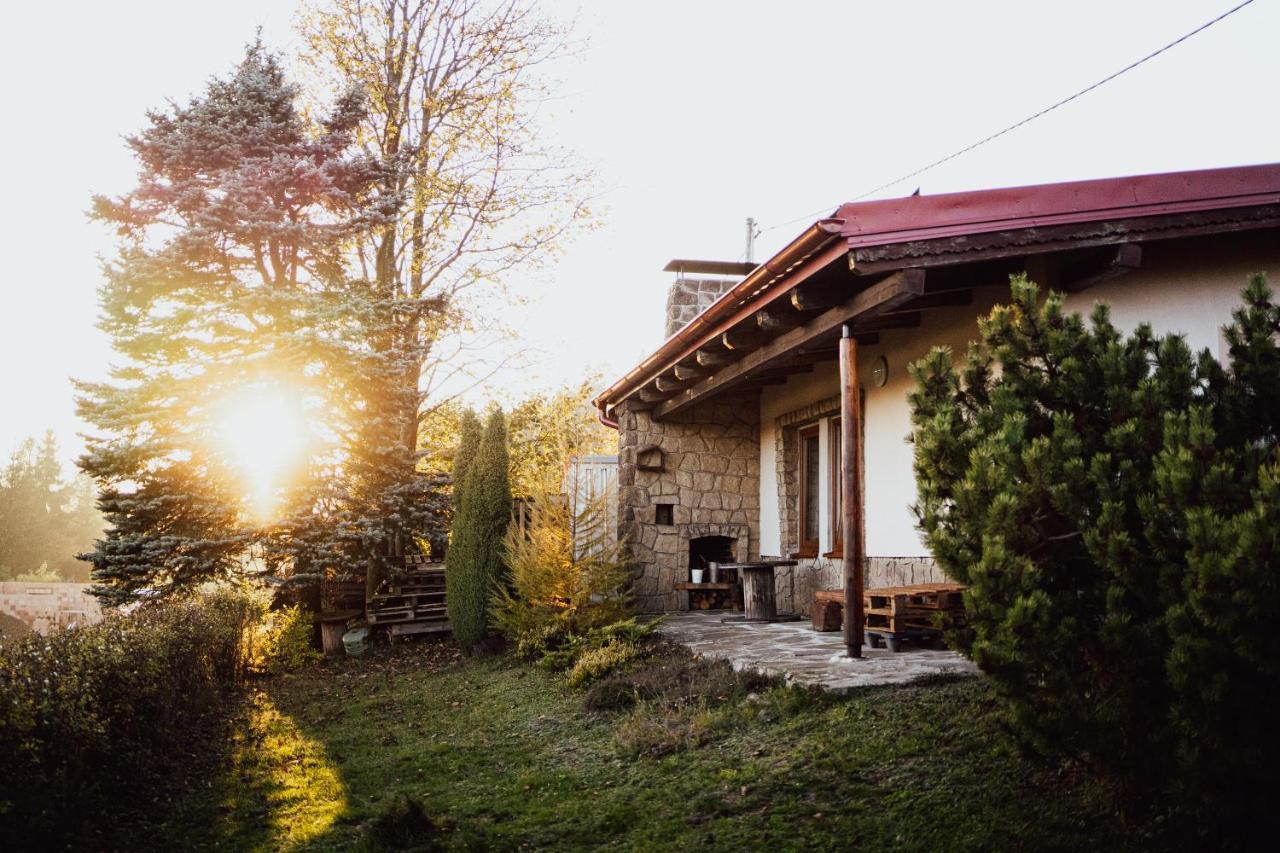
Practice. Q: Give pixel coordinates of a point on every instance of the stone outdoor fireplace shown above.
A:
(703, 552)
(688, 487)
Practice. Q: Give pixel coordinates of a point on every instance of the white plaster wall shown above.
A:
(1188, 287)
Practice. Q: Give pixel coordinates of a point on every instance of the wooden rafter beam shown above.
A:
(742, 339)
(775, 321)
(819, 296)
(650, 395)
(712, 357)
(683, 373)
(1125, 259)
(859, 311)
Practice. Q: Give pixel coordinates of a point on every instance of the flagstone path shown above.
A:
(803, 656)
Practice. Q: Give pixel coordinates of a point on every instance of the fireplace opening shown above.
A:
(721, 590)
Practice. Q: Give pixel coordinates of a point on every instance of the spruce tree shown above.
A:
(229, 275)
(474, 563)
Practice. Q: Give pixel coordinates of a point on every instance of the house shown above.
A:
(733, 439)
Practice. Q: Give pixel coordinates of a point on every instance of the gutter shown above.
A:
(676, 347)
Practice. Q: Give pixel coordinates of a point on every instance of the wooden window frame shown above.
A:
(833, 480)
(807, 547)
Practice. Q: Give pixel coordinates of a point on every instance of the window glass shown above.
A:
(837, 517)
(811, 462)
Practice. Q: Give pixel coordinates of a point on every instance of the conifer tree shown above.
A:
(474, 562)
(1111, 503)
(470, 435)
(44, 520)
(229, 275)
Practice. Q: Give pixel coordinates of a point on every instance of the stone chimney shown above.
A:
(688, 298)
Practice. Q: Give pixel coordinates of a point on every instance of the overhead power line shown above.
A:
(1086, 90)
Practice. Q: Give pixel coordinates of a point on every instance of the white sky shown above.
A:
(694, 115)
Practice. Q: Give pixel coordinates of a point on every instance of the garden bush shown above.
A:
(284, 641)
(473, 562)
(93, 718)
(1112, 503)
(568, 577)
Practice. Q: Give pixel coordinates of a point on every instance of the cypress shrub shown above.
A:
(1113, 504)
(470, 432)
(473, 564)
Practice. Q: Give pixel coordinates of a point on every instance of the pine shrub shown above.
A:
(1111, 503)
(473, 563)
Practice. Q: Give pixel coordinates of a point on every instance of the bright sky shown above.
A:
(695, 115)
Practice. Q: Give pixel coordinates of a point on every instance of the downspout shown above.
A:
(602, 413)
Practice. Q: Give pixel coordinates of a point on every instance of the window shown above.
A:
(837, 471)
(663, 514)
(810, 464)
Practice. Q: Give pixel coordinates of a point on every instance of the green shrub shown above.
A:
(1111, 503)
(595, 663)
(626, 640)
(470, 434)
(568, 577)
(284, 641)
(93, 718)
(671, 677)
(473, 563)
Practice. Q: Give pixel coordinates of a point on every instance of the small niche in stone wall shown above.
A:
(663, 514)
(651, 458)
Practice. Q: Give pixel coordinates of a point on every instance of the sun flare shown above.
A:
(263, 435)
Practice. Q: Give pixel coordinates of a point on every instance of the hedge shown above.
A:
(94, 720)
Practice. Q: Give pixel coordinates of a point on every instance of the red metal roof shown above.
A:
(859, 225)
(896, 220)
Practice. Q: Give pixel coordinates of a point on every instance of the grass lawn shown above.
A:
(502, 756)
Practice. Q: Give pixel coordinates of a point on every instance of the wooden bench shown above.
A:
(893, 613)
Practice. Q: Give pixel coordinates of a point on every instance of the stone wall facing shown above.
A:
(709, 477)
(689, 297)
(794, 587)
(45, 606)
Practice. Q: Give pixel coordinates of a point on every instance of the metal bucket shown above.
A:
(354, 641)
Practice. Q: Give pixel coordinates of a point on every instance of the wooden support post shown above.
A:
(855, 552)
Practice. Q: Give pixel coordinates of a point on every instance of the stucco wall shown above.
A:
(1188, 287)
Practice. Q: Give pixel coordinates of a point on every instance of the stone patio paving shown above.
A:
(803, 656)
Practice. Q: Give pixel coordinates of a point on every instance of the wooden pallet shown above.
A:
(402, 629)
(413, 602)
(894, 614)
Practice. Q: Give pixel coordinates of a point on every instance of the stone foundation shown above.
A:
(703, 479)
